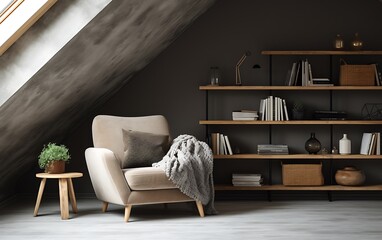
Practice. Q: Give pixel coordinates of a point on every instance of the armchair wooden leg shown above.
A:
(127, 212)
(200, 208)
(104, 206)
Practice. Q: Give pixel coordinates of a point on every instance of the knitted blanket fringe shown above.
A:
(189, 164)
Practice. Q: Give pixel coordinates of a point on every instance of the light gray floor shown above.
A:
(358, 220)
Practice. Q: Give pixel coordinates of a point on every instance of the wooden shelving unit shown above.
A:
(327, 157)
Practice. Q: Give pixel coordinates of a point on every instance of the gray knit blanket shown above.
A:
(189, 164)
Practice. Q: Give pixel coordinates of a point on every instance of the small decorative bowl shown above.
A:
(350, 176)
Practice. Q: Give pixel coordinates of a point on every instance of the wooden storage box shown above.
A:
(302, 174)
(357, 75)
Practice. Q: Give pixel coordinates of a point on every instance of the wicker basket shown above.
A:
(302, 174)
(357, 75)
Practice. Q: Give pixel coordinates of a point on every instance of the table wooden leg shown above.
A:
(72, 196)
(64, 204)
(39, 196)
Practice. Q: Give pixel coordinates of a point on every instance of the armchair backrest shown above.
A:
(107, 130)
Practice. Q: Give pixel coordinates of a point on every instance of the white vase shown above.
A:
(345, 145)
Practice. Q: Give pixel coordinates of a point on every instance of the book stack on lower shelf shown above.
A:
(371, 144)
(220, 144)
(247, 179)
(266, 149)
(244, 115)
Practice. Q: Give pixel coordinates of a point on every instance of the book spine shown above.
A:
(218, 144)
(285, 110)
(228, 145)
(262, 107)
(214, 143)
(378, 152)
(222, 145)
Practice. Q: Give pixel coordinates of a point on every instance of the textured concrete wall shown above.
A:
(41, 42)
(98, 61)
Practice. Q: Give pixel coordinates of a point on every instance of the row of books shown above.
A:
(245, 115)
(220, 144)
(301, 75)
(273, 109)
(247, 179)
(272, 149)
(371, 144)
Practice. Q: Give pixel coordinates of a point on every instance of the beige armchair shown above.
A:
(130, 186)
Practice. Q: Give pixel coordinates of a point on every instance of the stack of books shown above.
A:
(272, 149)
(321, 82)
(273, 109)
(371, 144)
(220, 144)
(329, 115)
(250, 179)
(245, 115)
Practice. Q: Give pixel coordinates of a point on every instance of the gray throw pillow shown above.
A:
(142, 149)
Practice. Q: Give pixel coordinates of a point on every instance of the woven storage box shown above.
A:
(302, 174)
(357, 75)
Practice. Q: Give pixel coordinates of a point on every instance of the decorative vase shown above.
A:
(356, 44)
(350, 176)
(338, 42)
(345, 145)
(312, 145)
(54, 167)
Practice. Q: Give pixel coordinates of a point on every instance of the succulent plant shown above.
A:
(298, 106)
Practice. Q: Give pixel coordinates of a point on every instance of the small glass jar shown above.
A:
(334, 150)
(338, 42)
(215, 75)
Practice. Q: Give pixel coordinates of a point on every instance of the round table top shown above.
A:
(60, 175)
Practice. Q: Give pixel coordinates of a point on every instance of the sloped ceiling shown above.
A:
(98, 61)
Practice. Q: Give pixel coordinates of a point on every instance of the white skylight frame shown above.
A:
(18, 17)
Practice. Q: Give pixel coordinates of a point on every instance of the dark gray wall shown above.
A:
(169, 84)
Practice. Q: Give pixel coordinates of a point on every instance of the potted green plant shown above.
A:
(298, 111)
(53, 158)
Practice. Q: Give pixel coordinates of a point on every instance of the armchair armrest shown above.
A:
(106, 176)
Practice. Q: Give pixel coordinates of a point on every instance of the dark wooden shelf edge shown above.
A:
(299, 188)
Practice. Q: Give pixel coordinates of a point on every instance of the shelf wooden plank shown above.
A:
(319, 52)
(299, 188)
(298, 156)
(294, 88)
(291, 122)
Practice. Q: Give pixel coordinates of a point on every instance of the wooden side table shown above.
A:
(65, 183)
